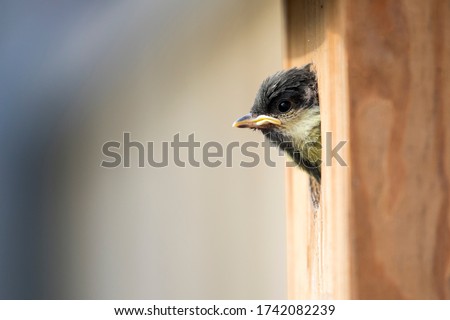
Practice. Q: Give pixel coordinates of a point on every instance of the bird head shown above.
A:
(282, 100)
(286, 110)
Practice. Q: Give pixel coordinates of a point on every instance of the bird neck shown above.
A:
(301, 140)
(307, 151)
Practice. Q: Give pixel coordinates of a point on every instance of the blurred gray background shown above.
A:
(75, 74)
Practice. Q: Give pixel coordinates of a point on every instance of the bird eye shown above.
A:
(284, 106)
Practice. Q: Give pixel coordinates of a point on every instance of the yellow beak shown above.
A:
(262, 121)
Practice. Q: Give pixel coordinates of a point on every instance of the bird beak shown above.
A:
(262, 121)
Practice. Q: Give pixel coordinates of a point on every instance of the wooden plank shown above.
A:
(318, 241)
(383, 230)
(400, 126)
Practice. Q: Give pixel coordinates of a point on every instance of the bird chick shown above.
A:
(286, 110)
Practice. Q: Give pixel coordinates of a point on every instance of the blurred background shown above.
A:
(76, 74)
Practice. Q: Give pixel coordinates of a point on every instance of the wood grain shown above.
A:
(383, 230)
(318, 241)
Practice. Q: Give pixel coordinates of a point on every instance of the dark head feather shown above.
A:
(296, 80)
